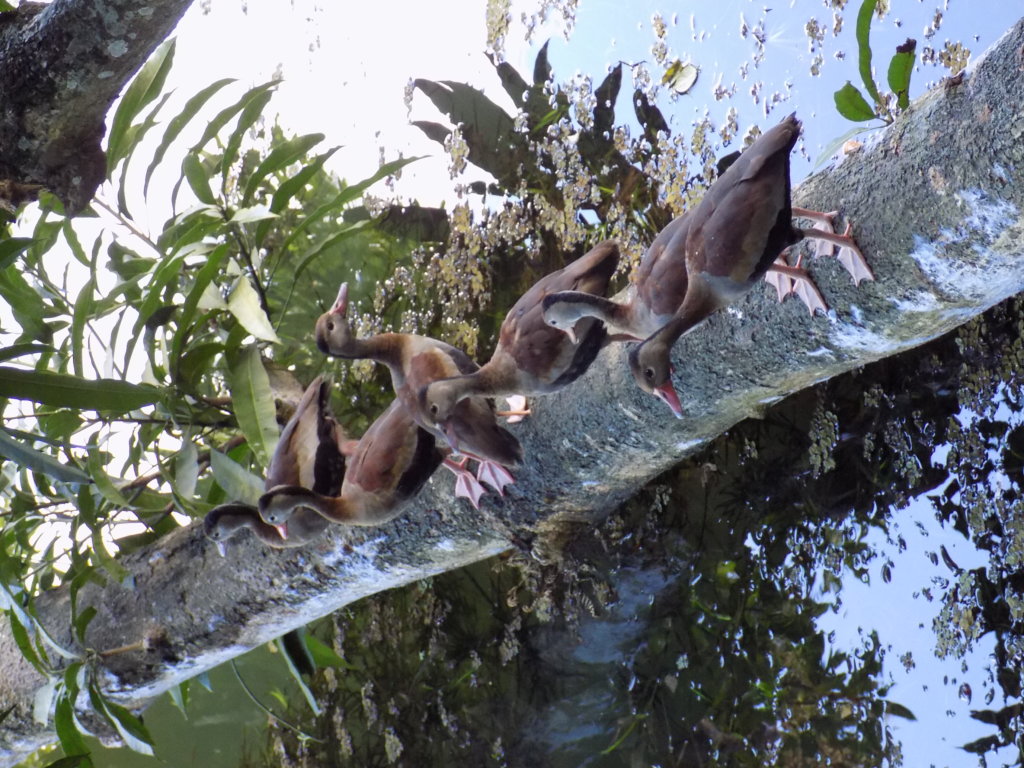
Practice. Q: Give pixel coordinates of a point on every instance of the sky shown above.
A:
(346, 68)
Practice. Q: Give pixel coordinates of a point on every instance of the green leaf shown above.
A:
(61, 390)
(294, 668)
(85, 304)
(291, 187)
(144, 88)
(72, 761)
(17, 350)
(186, 468)
(280, 157)
(82, 623)
(237, 482)
(28, 457)
(203, 279)
(195, 174)
(250, 114)
(325, 656)
(244, 304)
(251, 214)
(103, 482)
(892, 708)
(852, 105)
(901, 67)
(178, 123)
(71, 740)
(180, 695)
(24, 643)
(128, 726)
(833, 146)
(867, 9)
(11, 248)
(253, 403)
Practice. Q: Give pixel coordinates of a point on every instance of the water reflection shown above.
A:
(779, 599)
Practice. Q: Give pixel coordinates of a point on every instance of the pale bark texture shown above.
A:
(935, 200)
(61, 67)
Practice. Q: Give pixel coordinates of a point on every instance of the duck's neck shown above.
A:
(695, 308)
(618, 316)
(496, 377)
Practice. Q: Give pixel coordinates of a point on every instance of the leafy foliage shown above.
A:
(850, 102)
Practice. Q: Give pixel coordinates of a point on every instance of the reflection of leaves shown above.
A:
(901, 66)
(852, 105)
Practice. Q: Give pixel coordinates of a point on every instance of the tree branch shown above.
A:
(61, 67)
(936, 205)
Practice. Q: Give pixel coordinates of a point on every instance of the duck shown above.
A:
(532, 357)
(414, 362)
(390, 464)
(730, 241)
(225, 520)
(309, 453)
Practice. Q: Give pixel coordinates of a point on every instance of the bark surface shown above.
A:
(61, 67)
(936, 203)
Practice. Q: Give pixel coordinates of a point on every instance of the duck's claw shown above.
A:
(851, 257)
(466, 485)
(808, 293)
(494, 475)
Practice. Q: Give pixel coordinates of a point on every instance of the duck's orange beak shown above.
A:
(668, 393)
(341, 303)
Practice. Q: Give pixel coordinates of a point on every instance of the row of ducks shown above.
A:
(701, 262)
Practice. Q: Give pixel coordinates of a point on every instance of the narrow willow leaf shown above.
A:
(85, 304)
(901, 67)
(249, 215)
(325, 656)
(72, 761)
(864, 15)
(237, 482)
(178, 123)
(833, 146)
(197, 178)
(42, 700)
(244, 304)
(214, 127)
(253, 403)
(71, 740)
(852, 105)
(179, 695)
(291, 187)
(144, 88)
(17, 350)
(62, 390)
(11, 248)
(194, 300)
(131, 729)
(248, 117)
(26, 456)
(102, 480)
(345, 196)
(279, 158)
(293, 669)
(186, 468)
(82, 623)
(127, 725)
(24, 643)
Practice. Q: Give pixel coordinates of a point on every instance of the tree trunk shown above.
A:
(936, 207)
(61, 67)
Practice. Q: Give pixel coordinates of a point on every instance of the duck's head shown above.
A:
(563, 312)
(437, 402)
(652, 370)
(333, 332)
(224, 521)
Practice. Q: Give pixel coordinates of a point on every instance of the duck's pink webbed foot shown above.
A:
(466, 485)
(850, 254)
(494, 475)
(794, 279)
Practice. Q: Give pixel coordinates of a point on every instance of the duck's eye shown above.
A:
(330, 326)
(649, 373)
(433, 409)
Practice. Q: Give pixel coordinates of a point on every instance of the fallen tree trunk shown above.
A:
(936, 205)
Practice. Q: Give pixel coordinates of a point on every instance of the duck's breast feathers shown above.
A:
(295, 453)
(386, 451)
(662, 279)
(479, 434)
